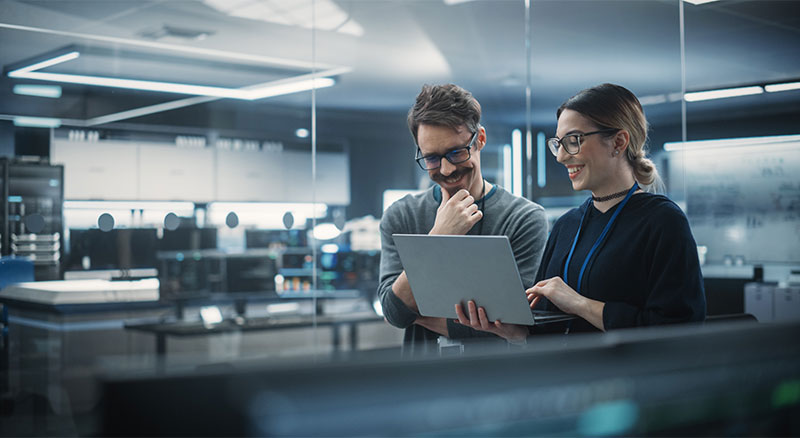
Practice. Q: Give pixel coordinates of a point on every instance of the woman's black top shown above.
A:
(646, 271)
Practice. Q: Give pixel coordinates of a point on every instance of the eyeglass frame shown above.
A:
(578, 138)
(419, 158)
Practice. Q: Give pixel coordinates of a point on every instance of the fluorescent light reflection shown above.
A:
(390, 196)
(144, 205)
(330, 248)
(541, 170)
(702, 145)
(51, 91)
(245, 93)
(722, 94)
(265, 215)
(516, 162)
(19, 73)
(210, 314)
(36, 122)
(774, 88)
(507, 167)
(126, 214)
(326, 231)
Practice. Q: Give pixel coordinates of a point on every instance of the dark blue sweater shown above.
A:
(646, 271)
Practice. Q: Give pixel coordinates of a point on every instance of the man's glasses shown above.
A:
(456, 156)
(572, 142)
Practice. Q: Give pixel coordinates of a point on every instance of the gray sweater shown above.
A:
(523, 221)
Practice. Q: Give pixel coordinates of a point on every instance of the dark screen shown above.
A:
(116, 249)
(32, 141)
(265, 238)
(189, 239)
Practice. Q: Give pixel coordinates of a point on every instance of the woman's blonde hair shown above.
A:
(611, 106)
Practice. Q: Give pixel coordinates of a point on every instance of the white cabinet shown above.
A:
(333, 178)
(297, 176)
(332, 182)
(105, 170)
(116, 170)
(250, 176)
(168, 173)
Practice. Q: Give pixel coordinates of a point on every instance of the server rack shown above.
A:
(32, 213)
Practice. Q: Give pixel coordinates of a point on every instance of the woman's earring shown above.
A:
(616, 152)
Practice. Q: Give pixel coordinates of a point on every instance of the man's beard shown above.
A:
(440, 179)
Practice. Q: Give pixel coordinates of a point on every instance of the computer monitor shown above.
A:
(124, 248)
(249, 273)
(189, 239)
(32, 142)
(267, 238)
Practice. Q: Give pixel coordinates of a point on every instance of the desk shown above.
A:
(56, 338)
(195, 328)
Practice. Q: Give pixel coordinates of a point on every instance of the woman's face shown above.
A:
(593, 167)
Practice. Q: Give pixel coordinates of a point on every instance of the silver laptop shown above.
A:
(446, 270)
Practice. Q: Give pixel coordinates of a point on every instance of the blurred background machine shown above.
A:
(31, 214)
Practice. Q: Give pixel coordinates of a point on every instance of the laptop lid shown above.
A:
(445, 270)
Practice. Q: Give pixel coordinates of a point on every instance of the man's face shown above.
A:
(439, 140)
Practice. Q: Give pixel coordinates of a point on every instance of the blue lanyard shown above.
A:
(599, 239)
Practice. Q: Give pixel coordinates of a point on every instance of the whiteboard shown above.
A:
(743, 202)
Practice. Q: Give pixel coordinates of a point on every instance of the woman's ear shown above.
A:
(621, 140)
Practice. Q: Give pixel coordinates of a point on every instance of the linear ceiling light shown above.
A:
(51, 91)
(699, 2)
(782, 87)
(36, 122)
(245, 93)
(703, 145)
(721, 94)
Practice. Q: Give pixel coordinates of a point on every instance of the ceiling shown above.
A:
(399, 46)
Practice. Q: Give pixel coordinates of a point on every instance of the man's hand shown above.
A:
(478, 320)
(456, 214)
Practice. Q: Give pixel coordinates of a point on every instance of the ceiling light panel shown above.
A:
(723, 93)
(788, 86)
(262, 82)
(320, 14)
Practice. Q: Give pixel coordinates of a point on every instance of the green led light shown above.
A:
(787, 393)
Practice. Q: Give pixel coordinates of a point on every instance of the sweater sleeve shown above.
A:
(529, 245)
(674, 283)
(394, 309)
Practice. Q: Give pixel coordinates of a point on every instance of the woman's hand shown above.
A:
(478, 320)
(558, 293)
(566, 299)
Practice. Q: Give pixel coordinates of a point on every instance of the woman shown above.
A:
(625, 257)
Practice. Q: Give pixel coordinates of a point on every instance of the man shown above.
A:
(445, 124)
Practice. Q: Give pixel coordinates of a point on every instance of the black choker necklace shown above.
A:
(610, 197)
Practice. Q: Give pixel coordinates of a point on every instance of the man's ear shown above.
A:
(480, 142)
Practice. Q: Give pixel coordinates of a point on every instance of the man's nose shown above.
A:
(446, 167)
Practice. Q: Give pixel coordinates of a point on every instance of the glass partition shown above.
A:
(206, 179)
(577, 45)
(176, 137)
(393, 48)
(740, 158)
